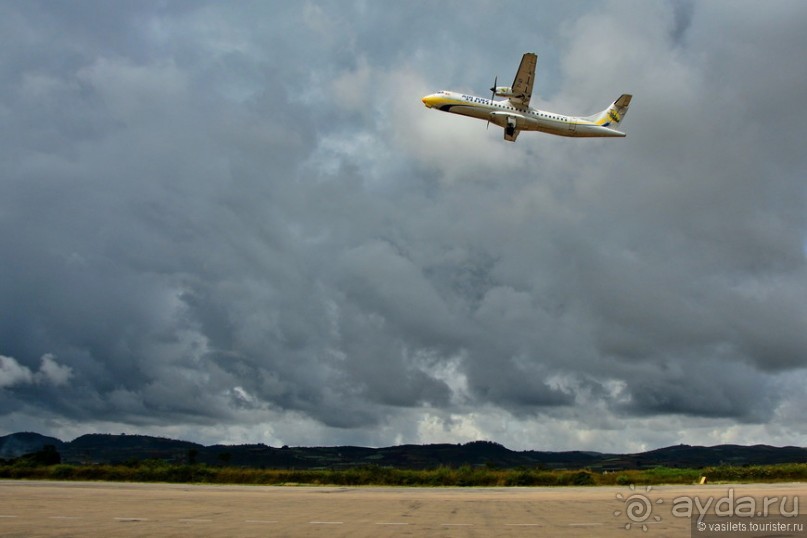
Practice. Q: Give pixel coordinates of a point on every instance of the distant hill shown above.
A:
(106, 448)
(18, 444)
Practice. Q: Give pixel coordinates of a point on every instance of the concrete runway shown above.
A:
(33, 508)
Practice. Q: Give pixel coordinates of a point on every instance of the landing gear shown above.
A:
(510, 130)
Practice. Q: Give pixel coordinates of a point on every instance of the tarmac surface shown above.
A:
(88, 509)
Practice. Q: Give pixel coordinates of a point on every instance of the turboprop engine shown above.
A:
(503, 91)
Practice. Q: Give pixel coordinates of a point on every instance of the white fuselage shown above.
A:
(509, 112)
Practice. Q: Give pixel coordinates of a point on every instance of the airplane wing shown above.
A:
(522, 85)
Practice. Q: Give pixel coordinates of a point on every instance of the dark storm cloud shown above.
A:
(243, 216)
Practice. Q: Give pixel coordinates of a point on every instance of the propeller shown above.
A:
(493, 94)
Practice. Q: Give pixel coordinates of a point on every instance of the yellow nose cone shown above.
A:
(430, 100)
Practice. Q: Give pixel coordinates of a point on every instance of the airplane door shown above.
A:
(572, 127)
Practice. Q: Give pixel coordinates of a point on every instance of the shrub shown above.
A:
(62, 472)
(160, 471)
(582, 478)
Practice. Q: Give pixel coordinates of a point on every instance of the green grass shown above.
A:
(372, 475)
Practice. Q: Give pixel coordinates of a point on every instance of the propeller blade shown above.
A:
(493, 94)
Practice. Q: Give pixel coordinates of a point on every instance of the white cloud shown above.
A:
(50, 372)
(12, 373)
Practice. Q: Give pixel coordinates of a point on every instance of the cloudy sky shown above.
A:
(236, 222)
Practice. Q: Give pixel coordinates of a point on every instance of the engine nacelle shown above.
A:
(504, 91)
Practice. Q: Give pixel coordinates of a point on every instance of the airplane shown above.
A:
(514, 113)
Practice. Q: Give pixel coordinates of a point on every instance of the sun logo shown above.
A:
(638, 508)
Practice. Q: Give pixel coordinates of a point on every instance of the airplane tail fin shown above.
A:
(612, 116)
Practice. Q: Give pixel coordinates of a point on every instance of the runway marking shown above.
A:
(585, 524)
(523, 525)
(64, 517)
(7, 517)
(259, 521)
(195, 520)
(391, 523)
(129, 519)
(458, 525)
(326, 522)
